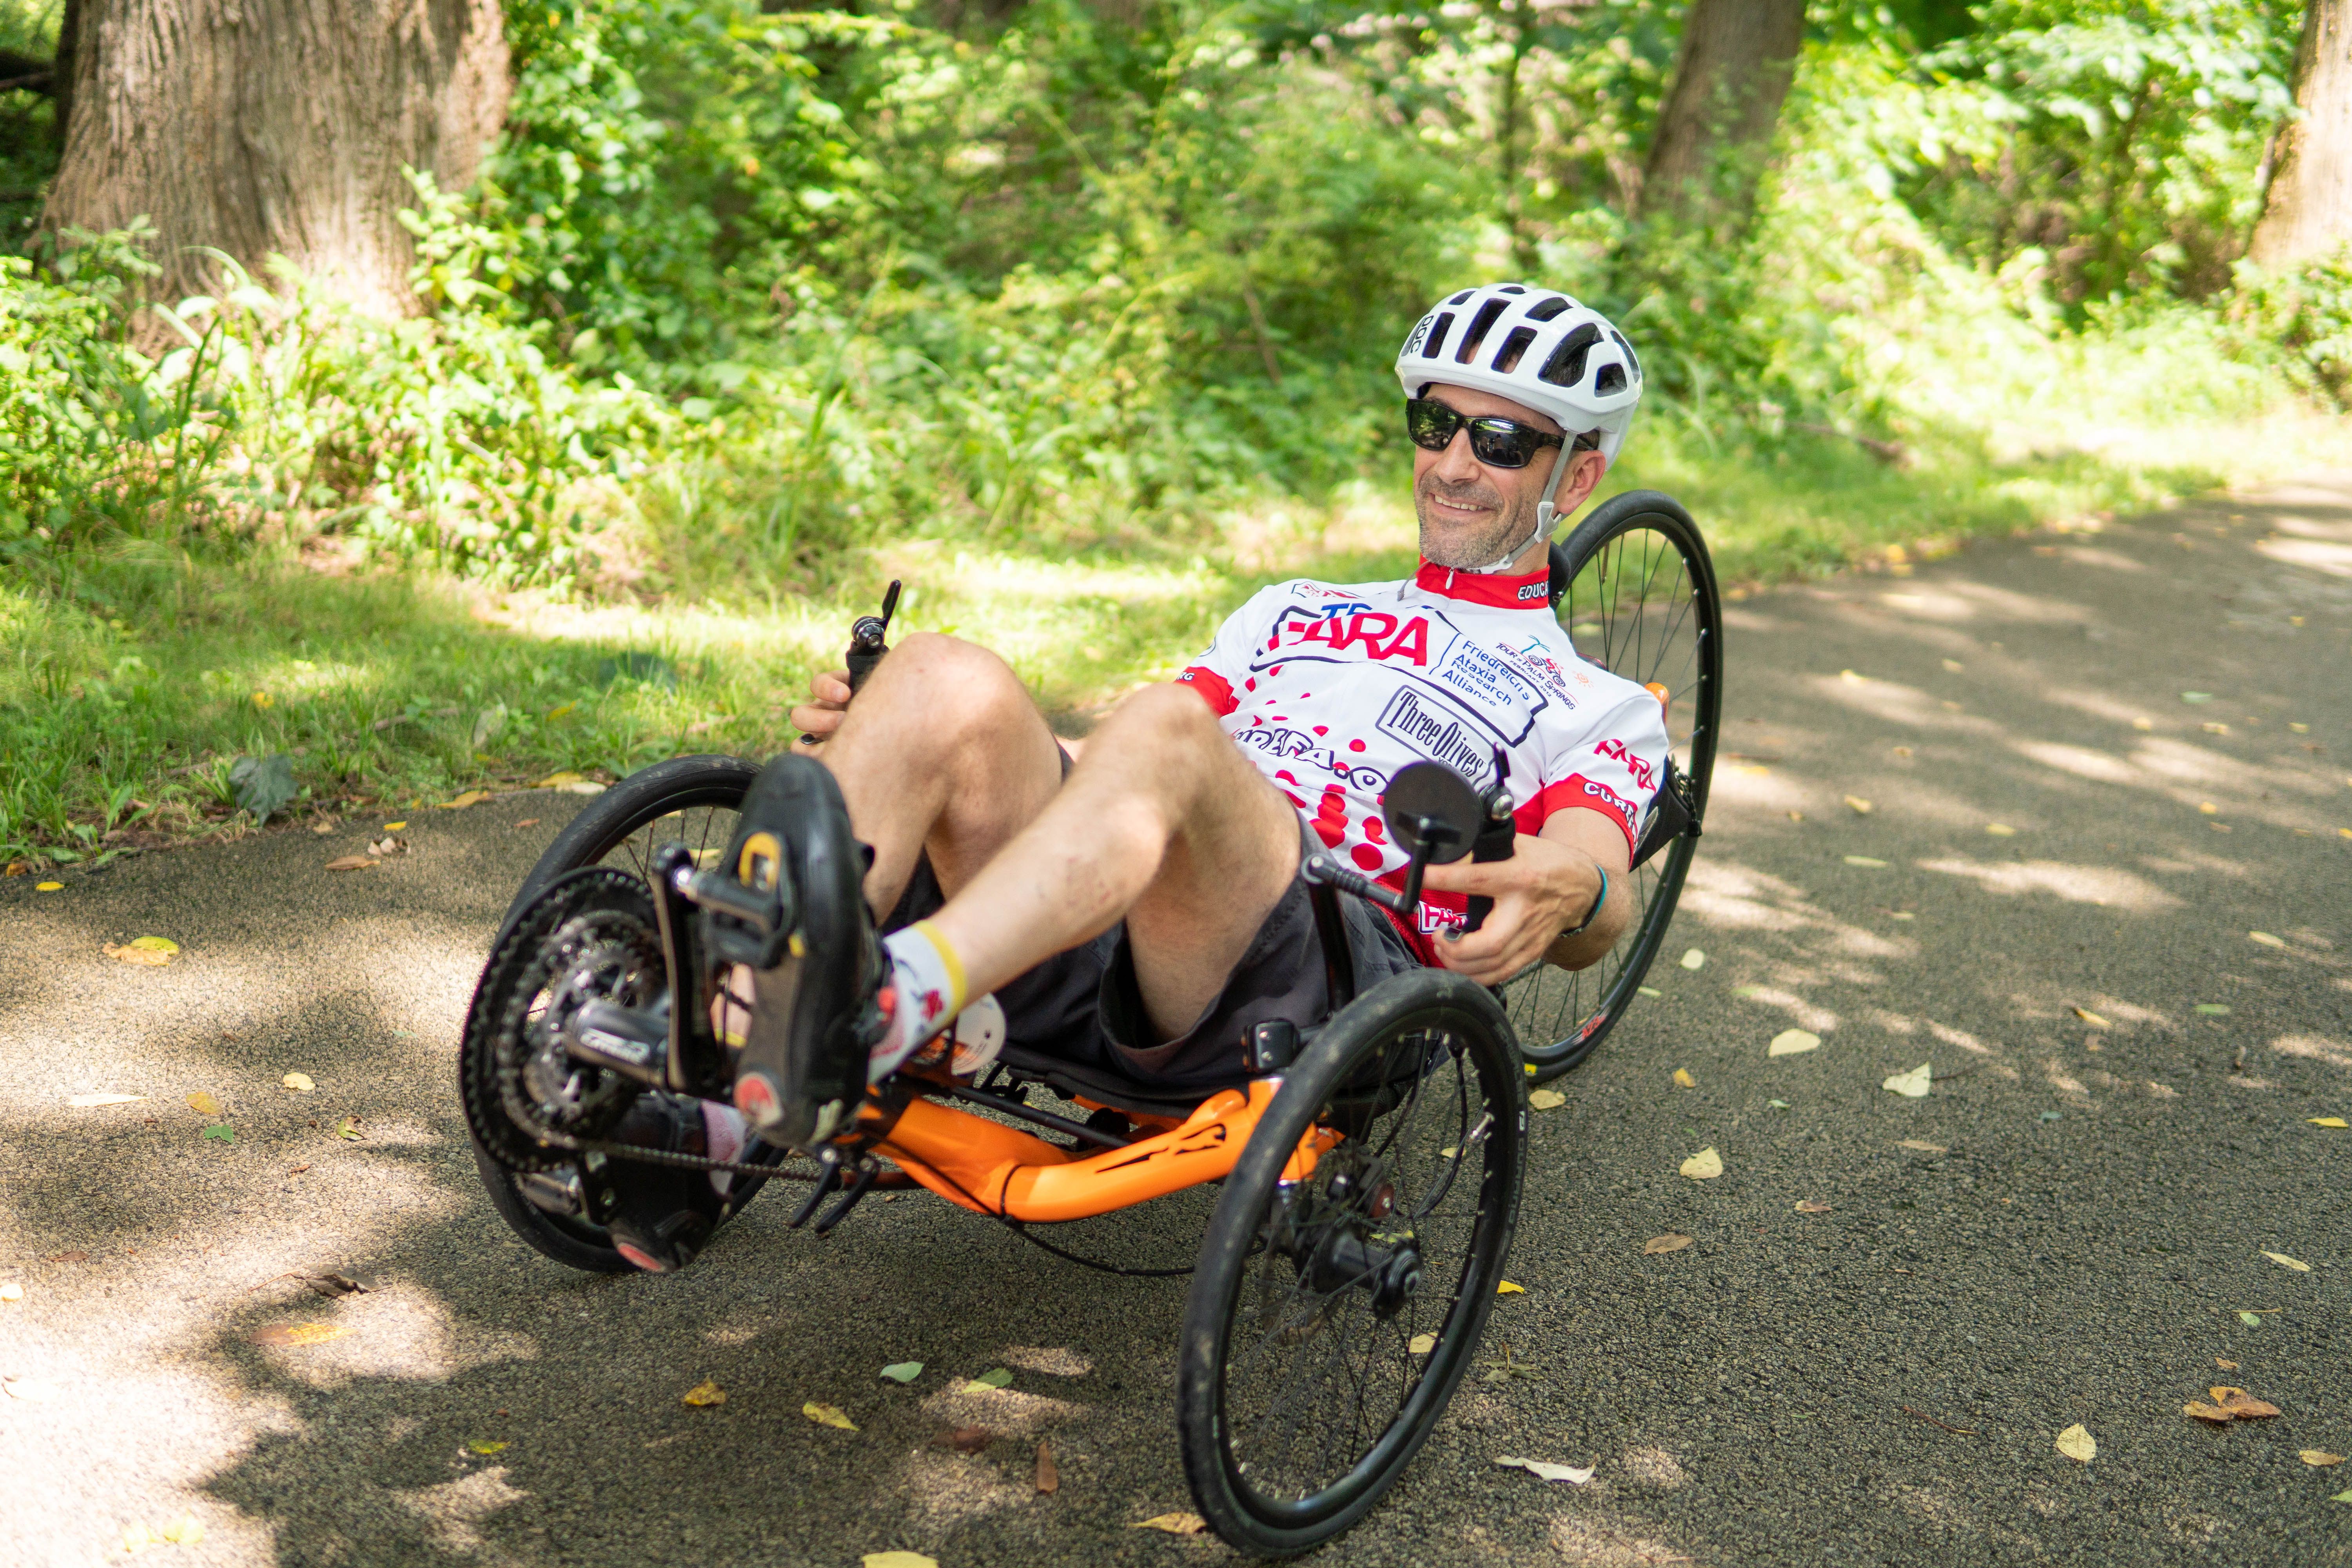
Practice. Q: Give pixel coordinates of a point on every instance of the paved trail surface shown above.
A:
(2063, 1231)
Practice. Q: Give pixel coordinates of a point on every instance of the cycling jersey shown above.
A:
(1331, 688)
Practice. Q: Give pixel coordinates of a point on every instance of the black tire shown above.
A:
(1640, 601)
(619, 827)
(1423, 1078)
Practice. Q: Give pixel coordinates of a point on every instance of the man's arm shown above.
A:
(1543, 889)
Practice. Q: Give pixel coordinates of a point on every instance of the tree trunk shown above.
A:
(262, 127)
(2309, 209)
(1737, 60)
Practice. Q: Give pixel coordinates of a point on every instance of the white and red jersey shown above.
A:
(1331, 688)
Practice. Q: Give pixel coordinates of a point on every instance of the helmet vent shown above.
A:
(1632, 358)
(1507, 358)
(1488, 314)
(1462, 298)
(1437, 336)
(1546, 309)
(1566, 366)
(1510, 289)
(1611, 378)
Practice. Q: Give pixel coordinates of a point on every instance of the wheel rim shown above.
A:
(1321, 1393)
(1641, 605)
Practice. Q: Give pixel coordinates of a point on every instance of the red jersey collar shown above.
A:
(1530, 592)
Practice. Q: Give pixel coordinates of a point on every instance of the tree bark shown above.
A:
(1731, 76)
(263, 127)
(2308, 211)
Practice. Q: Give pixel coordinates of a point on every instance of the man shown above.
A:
(1140, 906)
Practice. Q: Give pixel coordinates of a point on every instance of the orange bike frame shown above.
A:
(989, 1168)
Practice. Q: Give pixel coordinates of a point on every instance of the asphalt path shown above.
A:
(2063, 1231)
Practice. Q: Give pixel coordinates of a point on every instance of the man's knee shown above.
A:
(1166, 729)
(958, 685)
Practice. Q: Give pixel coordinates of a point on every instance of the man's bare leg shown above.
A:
(943, 751)
(1163, 822)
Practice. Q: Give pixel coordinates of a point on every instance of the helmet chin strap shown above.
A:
(1545, 512)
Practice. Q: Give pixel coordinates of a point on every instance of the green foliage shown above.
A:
(2111, 144)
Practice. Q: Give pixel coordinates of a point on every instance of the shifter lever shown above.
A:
(866, 635)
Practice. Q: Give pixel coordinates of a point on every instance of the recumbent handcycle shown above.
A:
(1371, 1167)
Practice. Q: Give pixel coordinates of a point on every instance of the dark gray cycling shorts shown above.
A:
(1083, 1005)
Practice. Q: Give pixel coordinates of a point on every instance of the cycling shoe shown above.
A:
(662, 1216)
(788, 903)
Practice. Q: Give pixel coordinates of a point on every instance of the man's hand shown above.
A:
(1544, 889)
(821, 715)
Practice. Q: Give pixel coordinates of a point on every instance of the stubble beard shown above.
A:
(1445, 546)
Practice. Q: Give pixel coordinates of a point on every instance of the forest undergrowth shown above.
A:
(1081, 326)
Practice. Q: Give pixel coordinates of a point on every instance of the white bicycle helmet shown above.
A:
(1535, 346)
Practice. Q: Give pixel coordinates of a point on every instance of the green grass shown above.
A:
(132, 675)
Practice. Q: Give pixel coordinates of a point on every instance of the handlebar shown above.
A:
(1321, 867)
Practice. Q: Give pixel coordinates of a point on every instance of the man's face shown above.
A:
(1471, 513)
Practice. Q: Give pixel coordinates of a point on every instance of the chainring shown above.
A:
(590, 935)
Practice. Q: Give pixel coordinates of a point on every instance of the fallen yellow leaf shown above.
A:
(2319, 1458)
(1421, 1344)
(1174, 1524)
(1545, 1100)
(479, 1445)
(48, 887)
(2327, 1122)
(1704, 1166)
(297, 1334)
(351, 862)
(90, 1099)
(2077, 1444)
(183, 1531)
(12, 1291)
(1793, 1042)
(2001, 830)
(898, 1560)
(1508, 1289)
(471, 797)
(151, 951)
(1912, 1085)
(1923, 1146)
(2266, 939)
(828, 1415)
(557, 781)
(2241, 1405)
(703, 1393)
(1684, 1079)
(1858, 805)
(1807, 1205)
(395, 826)
(137, 1537)
(2204, 1412)
(2092, 1018)
(2207, 807)
(1673, 1241)
(204, 1104)
(2283, 1261)
(300, 1082)
(1695, 959)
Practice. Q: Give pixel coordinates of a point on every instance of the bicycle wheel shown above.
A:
(1333, 1313)
(1640, 601)
(689, 800)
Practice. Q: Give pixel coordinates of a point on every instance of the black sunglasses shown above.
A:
(1497, 443)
